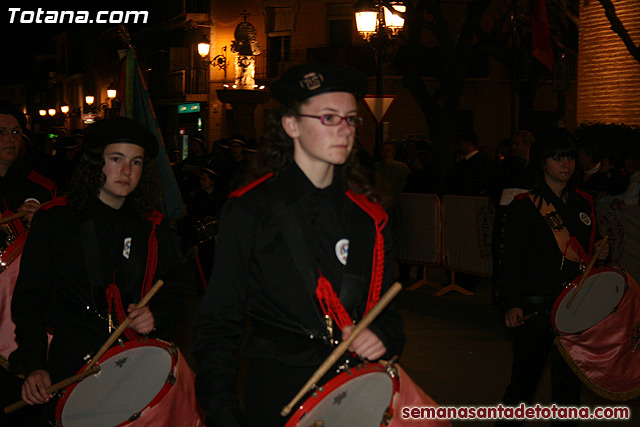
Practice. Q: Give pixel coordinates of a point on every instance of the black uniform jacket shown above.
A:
(21, 183)
(55, 291)
(533, 263)
(255, 273)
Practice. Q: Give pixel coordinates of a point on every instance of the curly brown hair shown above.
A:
(275, 154)
(88, 178)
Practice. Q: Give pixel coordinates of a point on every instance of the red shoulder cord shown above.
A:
(113, 292)
(329, 301)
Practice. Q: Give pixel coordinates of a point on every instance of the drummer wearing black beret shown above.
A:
(303, 252)
(91, 257)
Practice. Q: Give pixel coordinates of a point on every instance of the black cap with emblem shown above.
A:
(304, 81)
(120, 129)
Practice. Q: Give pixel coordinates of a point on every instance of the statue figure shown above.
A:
(246, 47)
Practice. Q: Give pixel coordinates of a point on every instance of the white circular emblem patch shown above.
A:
(342, 250)
(586, 219)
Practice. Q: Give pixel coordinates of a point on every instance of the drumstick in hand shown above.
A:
(55, 387)
(344, 345)
(124, 325)
(91, 368)
(586, 272)
(528, 316)
(20, 214)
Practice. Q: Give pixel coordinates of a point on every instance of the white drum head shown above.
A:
(127, 382)
(360, 402)
(599, 296)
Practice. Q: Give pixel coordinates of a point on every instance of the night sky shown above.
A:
(21, 42)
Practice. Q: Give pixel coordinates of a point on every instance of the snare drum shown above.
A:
(10, 246)
(139, 384)
(598, 297)
(369, 395)
(359, 397)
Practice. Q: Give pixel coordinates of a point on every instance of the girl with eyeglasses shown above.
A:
(303, 252)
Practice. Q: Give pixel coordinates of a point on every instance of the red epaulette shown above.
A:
(242, 190)
(58, 201)
(375, 210)
(43, 181)
(521, 196)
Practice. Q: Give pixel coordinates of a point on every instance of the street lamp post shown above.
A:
(378, 23)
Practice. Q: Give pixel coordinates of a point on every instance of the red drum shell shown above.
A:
(347, 399)
(134, 379)
(600, 295)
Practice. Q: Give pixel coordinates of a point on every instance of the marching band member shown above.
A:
(550, 235)
(22, 190)
(90, 257)
(303, 252)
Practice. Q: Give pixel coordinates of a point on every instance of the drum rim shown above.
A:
(66, 392)
(340, 379)
(573, 284)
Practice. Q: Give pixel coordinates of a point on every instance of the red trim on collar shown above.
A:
(242, 190)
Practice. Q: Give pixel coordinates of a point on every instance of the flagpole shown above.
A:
(170, 185)
(514, 64)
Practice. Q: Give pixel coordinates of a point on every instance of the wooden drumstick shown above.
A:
(344, 345)
(528, 316)
(91, 368)
(55, 387)
(124, 325)
(20, 214)
(586, 272)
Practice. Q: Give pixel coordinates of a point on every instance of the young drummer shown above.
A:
(92, 256)
(303, 252)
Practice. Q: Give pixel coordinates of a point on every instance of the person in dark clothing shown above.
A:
(22, 191)
(511, 176)
(538, 261)
(204, 209)
(91, 256)
(470, 175)
(188, 170)
(291, 244)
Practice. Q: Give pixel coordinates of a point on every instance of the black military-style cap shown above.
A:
(304, 81)
(120, 129)
(8, 108)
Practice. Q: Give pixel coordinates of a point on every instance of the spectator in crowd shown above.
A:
(600, 177)
(390, 173)
(631, 195)
(189, 169)
(470, 175)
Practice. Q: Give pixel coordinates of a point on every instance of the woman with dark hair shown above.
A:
(550, 235)
(91, 256)
(303, 252)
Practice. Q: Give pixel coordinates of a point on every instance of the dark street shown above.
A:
(458, 350)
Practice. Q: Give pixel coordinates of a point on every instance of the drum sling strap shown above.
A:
(95, 270)
(569, 246)
(321, 291)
